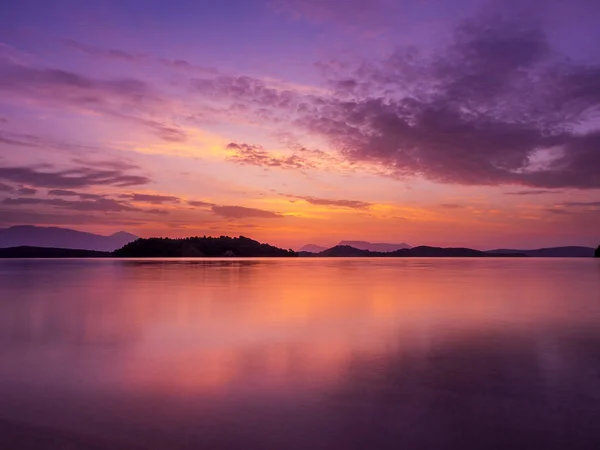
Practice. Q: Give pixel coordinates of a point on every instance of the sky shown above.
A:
(441, 122)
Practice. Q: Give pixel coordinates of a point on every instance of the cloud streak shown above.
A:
(200, 204)
(68, 193)
(155, 199)
(255, 155)
(102, 205)
(532, 192)
(71, 178)
(136, 58)
(351, 204)
(241, 212)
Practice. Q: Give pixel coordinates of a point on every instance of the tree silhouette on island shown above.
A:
(597, 252)
(223, 246)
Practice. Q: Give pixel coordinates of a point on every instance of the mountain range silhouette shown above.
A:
(25, 241)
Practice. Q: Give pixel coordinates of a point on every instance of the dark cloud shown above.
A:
(352, 204)
(71, 178)
(450, 205)
(19, 216)
(101, 204)
(63, 193)
(496, 107)
(257, 156)
(105, 205)
(154, 199)
(200, 204)
(249, 95)
(532, 192)
(579, 204)
(159, 212)
(12, 139)
(81, 195)
(26, 191)
(241, 212)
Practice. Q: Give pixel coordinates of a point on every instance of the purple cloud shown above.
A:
(578, 204)
(200, 204)
(19, 216)
(71, 178)
(352, 204)
(494, 108)
(23, 140)
(65, 86)
(255, 155)
(532, 192)
(26, 191)
(241, 212)
(127, 99)
(68, 193)
(140, 58)
(154, 199)
(101, 204)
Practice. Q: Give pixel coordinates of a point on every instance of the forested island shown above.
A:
(422, 251)
(222, 246)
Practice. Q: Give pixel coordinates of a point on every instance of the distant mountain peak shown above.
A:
(124, 234)
(312, 248)
(65, 238)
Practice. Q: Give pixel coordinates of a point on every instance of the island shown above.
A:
(423, 251)
(206, 246)
(25, 251)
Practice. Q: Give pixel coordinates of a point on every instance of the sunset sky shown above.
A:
(441, 122)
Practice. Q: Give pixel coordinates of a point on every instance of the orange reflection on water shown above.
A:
(205, 326)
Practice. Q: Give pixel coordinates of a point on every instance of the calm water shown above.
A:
(300, 354)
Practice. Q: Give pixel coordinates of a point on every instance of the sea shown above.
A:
(300, 353)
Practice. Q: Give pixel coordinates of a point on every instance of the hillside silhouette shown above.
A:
(199, 247)
(418, 252)
(49, 252)
(552, 252)
(65, 238)
(383, 247)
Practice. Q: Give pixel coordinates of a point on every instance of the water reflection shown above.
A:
(425, 353)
